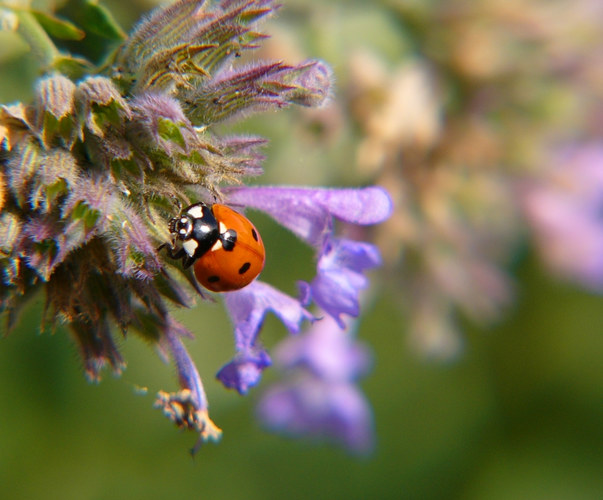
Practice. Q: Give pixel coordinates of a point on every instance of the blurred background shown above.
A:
(487, 337)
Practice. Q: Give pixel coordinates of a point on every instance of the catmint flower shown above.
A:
(308, 213)
(247, 309)
(564, 206)
(340, 276)
(94, 168)
(318, 396)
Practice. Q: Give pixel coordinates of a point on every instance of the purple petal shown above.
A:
(340, 276)
(245, 370)
(188, 407)
(188, 374)
(328, 351)
(247, 309)
(317, 397)
(311, 408)
(308, 212)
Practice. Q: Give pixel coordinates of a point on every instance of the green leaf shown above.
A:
(98, 20)
(49, 128)
(197, 158)
(72, 66)
(121, 166)
(47, 247)
(52, 127)
(55, 190)
(170, 131)
(105, 116)
(59, 28)
(36, 37)
(89, 216)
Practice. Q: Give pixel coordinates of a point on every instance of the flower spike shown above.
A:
(113, 176)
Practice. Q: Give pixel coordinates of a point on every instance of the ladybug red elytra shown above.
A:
(224, 246)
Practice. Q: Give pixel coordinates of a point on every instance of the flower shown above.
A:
(318, 396)
(247, 308)
(339, 276)
(564, 206)
(308, 212)
(188, 408)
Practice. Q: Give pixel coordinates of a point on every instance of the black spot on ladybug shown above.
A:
(254, 234)
(213, 279)
(244, 268)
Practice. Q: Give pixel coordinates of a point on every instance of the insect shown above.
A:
(224, 247)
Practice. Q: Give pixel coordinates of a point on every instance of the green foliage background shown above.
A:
(519, 415)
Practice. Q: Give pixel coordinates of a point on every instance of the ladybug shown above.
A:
(224, 247)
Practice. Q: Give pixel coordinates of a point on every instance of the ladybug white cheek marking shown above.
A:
(223, 228)
(217, 246)
(196, 212)
(190, 246)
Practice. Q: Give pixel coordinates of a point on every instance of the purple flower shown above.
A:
(318, 397)
(187, 408)
(565, 209)
(340, 276)
(245, 370)
(326, 351)
(309, 212)
(247, 309)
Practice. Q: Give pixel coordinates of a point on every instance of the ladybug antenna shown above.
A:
(177, 202)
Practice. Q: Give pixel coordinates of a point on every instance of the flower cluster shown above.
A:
(95, 166)
(465, 129)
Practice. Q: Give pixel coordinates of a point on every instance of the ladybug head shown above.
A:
(181, 227)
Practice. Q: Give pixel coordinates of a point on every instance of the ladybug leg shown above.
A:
(187, 261)
(162, 246)
(172, 252)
